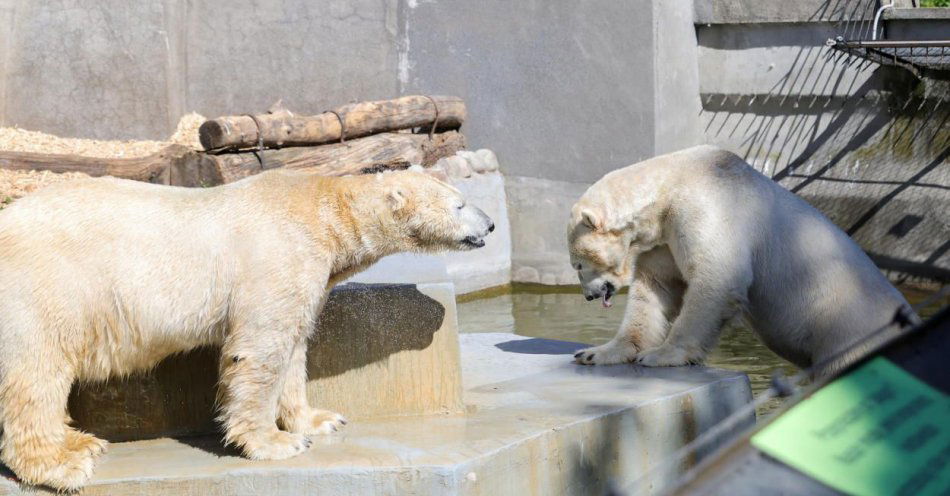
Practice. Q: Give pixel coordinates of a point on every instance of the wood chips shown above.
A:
(15, 184)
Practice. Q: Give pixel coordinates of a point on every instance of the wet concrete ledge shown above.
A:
(535, 423)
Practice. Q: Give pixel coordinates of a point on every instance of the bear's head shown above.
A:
(431, 215)
(601, 255)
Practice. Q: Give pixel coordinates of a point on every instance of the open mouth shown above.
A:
(606, 301)
(472, 242)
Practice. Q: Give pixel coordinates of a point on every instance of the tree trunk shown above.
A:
(370, 154)
(283, 128)
(174, 164)
(178, 165)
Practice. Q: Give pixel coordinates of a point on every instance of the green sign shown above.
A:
(876, 431)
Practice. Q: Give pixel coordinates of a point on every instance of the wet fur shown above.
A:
(105, 277)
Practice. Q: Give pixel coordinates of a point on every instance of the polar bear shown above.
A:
(706, 238)
(104, 277)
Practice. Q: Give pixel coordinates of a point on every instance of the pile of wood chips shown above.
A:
(16, 184)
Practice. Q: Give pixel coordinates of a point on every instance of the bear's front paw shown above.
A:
(78, 459)
(80, 441)
(274, 445)
(314, 421)
(606, 354)
(668, 356)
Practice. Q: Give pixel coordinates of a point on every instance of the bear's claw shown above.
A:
(316, 422)
(276, 445)
(606, 354)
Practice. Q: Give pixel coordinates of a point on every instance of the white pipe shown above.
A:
(877, 17)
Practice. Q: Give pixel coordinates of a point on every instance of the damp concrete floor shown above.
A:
(535, 423)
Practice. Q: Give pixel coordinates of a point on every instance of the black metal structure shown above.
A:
(919, 57)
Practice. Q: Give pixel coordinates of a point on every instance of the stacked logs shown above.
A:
(352, 139)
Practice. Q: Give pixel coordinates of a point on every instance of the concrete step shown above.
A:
(394, 345)
(534, 423)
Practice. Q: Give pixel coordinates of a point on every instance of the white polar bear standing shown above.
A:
(104, 277)
(706, 238)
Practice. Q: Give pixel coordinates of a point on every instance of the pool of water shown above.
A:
(560, 312)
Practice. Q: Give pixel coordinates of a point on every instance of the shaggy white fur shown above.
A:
(706, 238)
(104, 277)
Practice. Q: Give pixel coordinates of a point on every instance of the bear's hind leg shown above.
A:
(295, 413)
(37, 444)
(707, 306)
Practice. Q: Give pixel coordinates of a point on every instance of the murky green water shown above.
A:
(562, 313)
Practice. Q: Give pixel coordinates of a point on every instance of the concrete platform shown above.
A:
(396, 344)
(535, 423)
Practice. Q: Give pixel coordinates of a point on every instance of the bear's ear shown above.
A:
(591, 219)
(396, 199)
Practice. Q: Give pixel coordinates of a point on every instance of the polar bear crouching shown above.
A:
(706, 238)
(104, 277)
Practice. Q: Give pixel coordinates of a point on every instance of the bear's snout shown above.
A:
(478, 221)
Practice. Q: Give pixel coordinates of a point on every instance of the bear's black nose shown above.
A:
(588, 297)
(491, 227)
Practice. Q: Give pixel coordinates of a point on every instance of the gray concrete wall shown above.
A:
(115, 69)
(563, 91)
(780, 11)
(558, 89)
(676, 78)
(868, 145)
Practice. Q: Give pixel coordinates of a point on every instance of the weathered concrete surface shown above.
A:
(469, 271)
(916, 13)
(865, 144)
(559, 89)
(490, 265)
(537, 424)
(919, 24)
(781, 60)
(242, 56)
(677, 105)
(404, 268)
(539, 229)
(779, 11)
(395, 345)
(90, 68)
(113, 69)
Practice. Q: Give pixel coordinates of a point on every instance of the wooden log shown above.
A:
(282, 128)
(175, 165)
(370, 154)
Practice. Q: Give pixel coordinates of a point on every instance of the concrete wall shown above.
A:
(115, 69)
(558, 89)
(866, 144)
(562, 91)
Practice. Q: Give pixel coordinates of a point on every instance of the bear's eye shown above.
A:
(578, 266)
